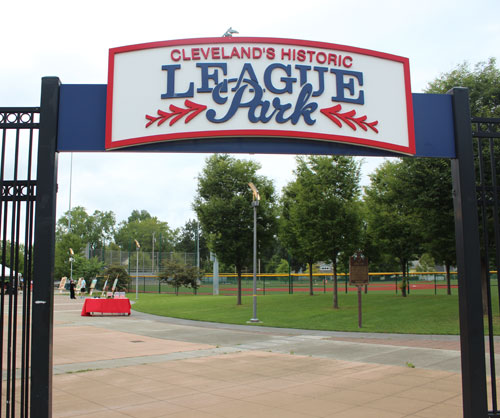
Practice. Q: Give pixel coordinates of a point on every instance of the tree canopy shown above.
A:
(90, 229)
(391, 222)
(483, 82)
(144, 228)
(223, 206)
(321, 211)
(186, 241)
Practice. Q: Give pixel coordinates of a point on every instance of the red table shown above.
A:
(102, 306)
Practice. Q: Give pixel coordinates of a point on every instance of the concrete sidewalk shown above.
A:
(146, 366)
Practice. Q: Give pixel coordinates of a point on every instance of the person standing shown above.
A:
(84, 287)
(72, 289)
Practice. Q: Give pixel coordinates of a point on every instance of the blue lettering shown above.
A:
(321, 80)
(170, 94)
(287, 80)
(303, 69)
(205, 75)
(222, 87)
(302, 108)
(235, 105)
(247, 68)
(259, 110)
(342, 86)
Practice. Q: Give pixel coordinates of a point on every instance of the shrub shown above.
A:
(120, 273)
(179, 275)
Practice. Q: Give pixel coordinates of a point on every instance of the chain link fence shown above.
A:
(420, 283)
(142, 262)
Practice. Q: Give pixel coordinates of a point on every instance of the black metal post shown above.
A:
(360, 312)
(43, 267)
(474, 396)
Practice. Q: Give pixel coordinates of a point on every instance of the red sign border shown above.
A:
(109, 145)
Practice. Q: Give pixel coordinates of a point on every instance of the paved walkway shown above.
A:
(145, 366)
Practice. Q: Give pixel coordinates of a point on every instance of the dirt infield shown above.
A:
(371, 287)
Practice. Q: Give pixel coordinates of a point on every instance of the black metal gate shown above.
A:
(475, 192)
(19, 141)
(27, 183)
(486, 133)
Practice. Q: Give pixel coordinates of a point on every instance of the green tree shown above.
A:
(62, 266)
(86, 268)
(91, 229)
(179, 275)
(76, 229)
(223, 207)
(14, 256)
(483, 82)
(429, 184)
(141, 226)
(118, 272)
(298, 226)
(283, 267)
(186, 241)
(329, 192)
(390, 215)
(426, 263)
(431, 179)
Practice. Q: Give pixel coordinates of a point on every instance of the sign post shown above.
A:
(358, 276)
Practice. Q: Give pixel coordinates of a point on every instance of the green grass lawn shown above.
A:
(416, 314)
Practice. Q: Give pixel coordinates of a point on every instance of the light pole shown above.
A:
(70, 184)
(153, 256)
(137, 246)
(197, 245)
(255, 203)
(71, 259)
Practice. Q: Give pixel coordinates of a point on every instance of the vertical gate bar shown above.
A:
(2, 279)
(28, 239)
(484, 218)
(45, 215)
(8, 398)
(15, 289)
(28, 267)
(14, 267)
(495, 213)
(474, 396)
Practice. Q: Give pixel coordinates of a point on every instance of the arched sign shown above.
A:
(258, 87)
(255, 95)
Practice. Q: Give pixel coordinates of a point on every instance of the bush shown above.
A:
(120, 273)
(179, 275)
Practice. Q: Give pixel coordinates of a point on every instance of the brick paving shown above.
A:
(420, 343)
(145, 367)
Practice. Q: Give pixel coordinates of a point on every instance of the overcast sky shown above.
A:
(71, 40)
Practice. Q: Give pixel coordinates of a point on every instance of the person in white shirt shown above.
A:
(84, 287)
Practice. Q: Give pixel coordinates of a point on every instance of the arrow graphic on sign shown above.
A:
(333, 113)
(191, 111)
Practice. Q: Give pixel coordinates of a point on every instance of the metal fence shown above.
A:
(142, 262)
(18, 183)
(486, 133)
(421, 283)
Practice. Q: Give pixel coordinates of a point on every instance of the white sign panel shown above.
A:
(258, 87)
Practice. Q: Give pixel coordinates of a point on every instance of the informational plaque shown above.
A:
(358, 270)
